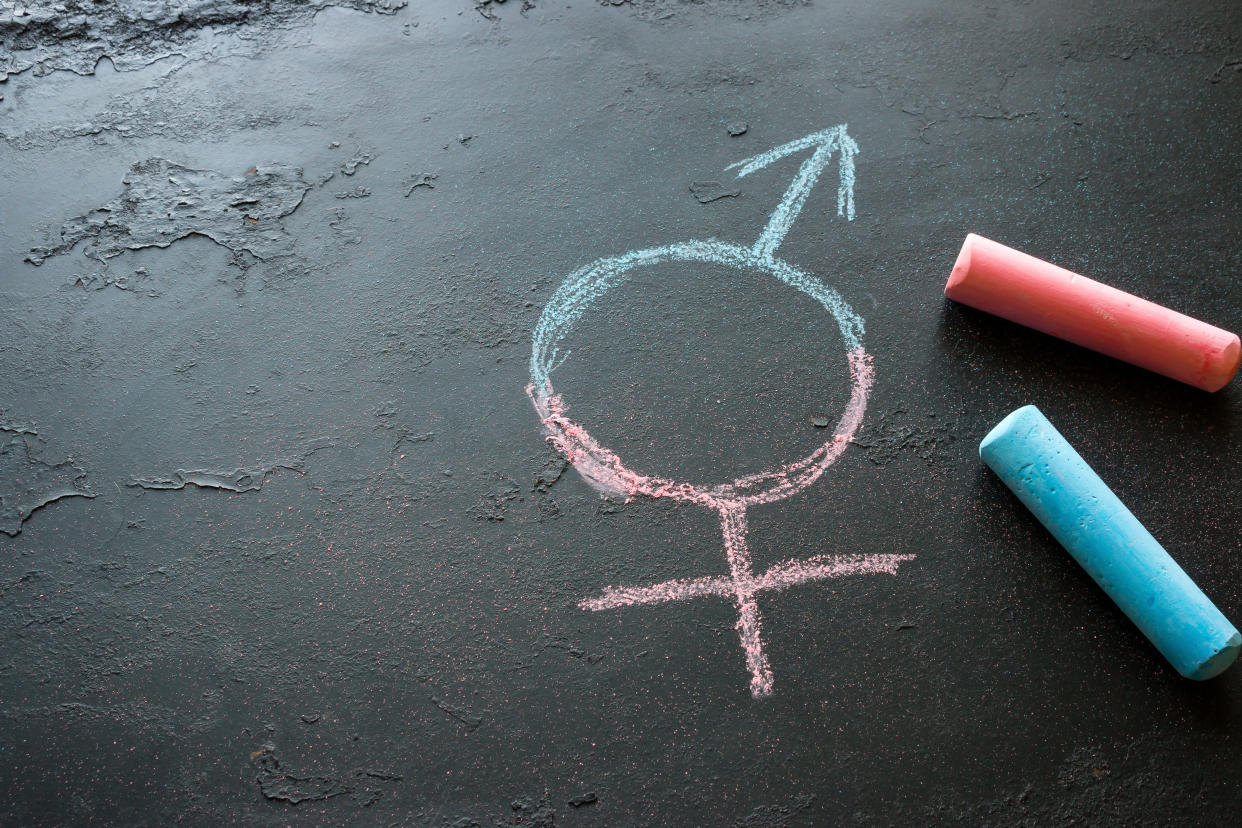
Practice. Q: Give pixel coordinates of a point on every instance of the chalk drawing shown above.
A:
(604, 470)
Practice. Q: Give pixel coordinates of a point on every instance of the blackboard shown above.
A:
(284, 539)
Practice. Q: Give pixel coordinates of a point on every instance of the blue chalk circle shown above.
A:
(1078, 508)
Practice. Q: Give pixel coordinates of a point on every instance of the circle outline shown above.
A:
(582, 288)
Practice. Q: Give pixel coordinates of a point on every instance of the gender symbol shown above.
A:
(605, 470)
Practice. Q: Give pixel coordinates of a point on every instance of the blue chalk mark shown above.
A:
(583, 287)
(782, 218)
(1079, 509)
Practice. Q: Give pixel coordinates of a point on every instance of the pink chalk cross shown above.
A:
(605, 470)
(743, 586)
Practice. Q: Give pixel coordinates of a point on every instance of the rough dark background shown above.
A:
(281, 539)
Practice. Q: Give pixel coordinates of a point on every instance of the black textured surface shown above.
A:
(280, 541)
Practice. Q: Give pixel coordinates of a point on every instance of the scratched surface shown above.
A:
(281, 539)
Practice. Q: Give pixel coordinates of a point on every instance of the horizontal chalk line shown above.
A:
(780, 577)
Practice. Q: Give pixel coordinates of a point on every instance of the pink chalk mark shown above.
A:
(733, 520)
(606, 471)
(780, 577)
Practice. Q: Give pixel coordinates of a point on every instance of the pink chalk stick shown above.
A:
(1023, 289)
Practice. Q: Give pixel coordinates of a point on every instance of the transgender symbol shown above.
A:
(606, 471)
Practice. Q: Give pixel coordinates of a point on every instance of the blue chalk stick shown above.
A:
(1081, 512)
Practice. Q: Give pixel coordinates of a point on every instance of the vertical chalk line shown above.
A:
(749, 623)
